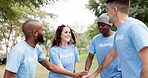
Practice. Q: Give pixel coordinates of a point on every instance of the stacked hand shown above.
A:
(79, 75)
(89, 76)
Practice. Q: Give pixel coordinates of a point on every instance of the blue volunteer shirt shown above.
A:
(65, 56)
(130, 38)
(23, 60)
(101, 46)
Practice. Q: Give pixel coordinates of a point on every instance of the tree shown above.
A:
(12, 16)
(139, 10)
(92, 31)
(48, 37)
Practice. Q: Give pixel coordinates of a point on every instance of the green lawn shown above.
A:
(43, 73)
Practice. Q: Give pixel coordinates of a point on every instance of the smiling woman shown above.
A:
(71, 12)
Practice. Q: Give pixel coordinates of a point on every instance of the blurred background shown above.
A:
(80, 15)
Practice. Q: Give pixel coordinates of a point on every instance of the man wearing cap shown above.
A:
(130, 41)
(101, 45)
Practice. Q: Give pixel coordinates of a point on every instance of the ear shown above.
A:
(115, 10)
(35, 33)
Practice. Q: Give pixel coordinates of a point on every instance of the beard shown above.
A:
(40, 38)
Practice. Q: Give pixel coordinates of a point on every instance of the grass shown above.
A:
(43, 73)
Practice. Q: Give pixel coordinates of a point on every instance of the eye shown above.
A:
(66, 31)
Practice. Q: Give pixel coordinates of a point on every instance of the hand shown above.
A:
(79, 75)
(86, 76)
(92, 76)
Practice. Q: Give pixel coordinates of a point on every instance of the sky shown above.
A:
(72, 13)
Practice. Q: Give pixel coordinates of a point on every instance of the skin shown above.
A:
(32, 35)
(143, 55)
(106, 31)
(118, 18)
(65, 38)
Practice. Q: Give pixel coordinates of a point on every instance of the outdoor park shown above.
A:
(14, 12)
(43, 73)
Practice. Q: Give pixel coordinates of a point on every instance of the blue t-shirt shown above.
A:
(65, 56)
(101, 46)
(130, 38)
(23, 60)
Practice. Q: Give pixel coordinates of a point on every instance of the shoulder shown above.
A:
(97, 37)
(136, 23)
(20, 45)
(54, 47)
(19, 48)
(72, 45)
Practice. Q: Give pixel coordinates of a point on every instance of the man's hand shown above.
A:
(86, 76)
(79, 75)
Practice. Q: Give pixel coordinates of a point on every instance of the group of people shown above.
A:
(120, 54)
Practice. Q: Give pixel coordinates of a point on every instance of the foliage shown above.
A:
(48, 37)
(97, 6)
(92, 31)
(7, 11)
(139, 10)
(81, 40)
(13, 13)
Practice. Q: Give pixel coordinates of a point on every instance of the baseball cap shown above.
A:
(104, 18)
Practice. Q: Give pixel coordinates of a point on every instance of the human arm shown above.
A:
(9, 74)
(107, 61)
(89, 61)
(74, 68)
(143, 55)
(59, 70)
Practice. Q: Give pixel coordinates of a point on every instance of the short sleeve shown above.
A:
(91, 48)
(41, 55)
(14, 61)
(114, 44)
(54, 58)
(76, 54)
(139, 36)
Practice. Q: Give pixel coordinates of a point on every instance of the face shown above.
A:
(66, 34)
(41, 32)
(103, 28)
(110, 12)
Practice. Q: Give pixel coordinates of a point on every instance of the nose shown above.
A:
(44, 32)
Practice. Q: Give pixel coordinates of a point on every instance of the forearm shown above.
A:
(97, 72)
(56, 69)
(89, 62)
(108, 60)
(87, 65)
(59, 70)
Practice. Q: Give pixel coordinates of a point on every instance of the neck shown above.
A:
(64, 44)
(120, 19)
(108, 34)
(31, 42)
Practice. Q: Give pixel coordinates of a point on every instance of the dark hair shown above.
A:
(57, 36)
(123, 5)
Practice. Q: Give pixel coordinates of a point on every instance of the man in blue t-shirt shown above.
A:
(101, 45)
(130, 42)
(25, 55)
